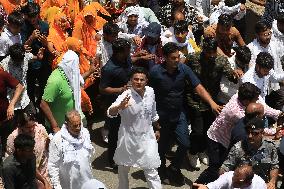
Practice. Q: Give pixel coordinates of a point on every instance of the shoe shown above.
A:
(162, 171)
(203, 158)
(104, 133)
(114, 166)
(194, 161)
(175, 176)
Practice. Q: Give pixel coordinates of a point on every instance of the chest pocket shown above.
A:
(147, 105)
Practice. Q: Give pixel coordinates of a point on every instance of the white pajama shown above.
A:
(151, 175)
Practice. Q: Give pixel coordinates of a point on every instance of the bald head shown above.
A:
(254, 110)
(73, 114)
(243, 176)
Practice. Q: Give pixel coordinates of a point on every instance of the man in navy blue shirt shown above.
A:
(168, 80)
(114, 77)
(34, 33)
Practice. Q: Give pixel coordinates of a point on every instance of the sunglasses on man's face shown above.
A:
(253, 132)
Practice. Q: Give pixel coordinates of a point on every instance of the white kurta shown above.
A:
(262, 83)
(256, 48)
(137, 145)
(69, 163)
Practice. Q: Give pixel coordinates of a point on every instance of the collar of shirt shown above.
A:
(124, 64)
(257, 44)
(138, 95)
(164, 69)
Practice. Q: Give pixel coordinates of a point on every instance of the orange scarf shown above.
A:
(62, 4)
(9, 6)
(87, 32)
(50, 13)
(56, 35)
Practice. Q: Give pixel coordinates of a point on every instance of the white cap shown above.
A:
(93, 184)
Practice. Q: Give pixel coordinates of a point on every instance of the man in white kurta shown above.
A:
(262, 73)
(243, 177)
(137, 145)
(70, 150)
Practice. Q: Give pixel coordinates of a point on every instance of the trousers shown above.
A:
(179, 131)
(200, 123)
(151, 175)
(217, 154)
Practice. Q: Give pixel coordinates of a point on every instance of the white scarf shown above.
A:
(70, 65)
(81, 142)
(186, 43)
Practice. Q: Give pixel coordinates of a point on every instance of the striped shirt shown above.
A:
(220, 130)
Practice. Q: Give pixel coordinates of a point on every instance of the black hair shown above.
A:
(209, 44)
(280, 18)
(23, 141)
(261, 26)
(248, 91)
(264, 60)
(255, 123)
(243, 54)
(31, 9)
(181, 26)
(250, 115)
(110, 28)
(137, 69)
(2, 21)
(119, 45)
(17, 52)
(225, 20)
(231, 3)
(16, 18)
(22, 118)
(169, 48)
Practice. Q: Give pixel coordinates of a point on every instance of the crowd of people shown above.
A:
(164, 73)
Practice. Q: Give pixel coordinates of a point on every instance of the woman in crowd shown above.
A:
(85, 28)
(58, 34)
(26, 124)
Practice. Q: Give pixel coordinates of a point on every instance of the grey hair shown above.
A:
(72, 113)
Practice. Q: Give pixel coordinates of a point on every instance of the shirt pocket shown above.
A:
(147, 105)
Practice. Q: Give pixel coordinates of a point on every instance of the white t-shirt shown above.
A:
(20, 73)
(8, 39)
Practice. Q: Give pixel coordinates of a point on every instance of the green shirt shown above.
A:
(59, 96)
(210, 75)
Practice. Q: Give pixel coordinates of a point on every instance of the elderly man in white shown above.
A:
(243, 177)
(137, 145)
(70, 150)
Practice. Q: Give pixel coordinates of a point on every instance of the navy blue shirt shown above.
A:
(238, 132)
(114, 75)
(26, 32)
(17, 175)
(169, 89)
